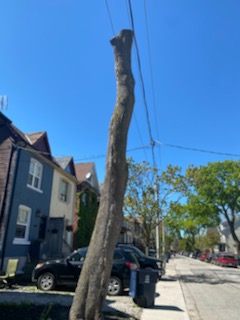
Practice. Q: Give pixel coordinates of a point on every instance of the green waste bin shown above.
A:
(145, 291)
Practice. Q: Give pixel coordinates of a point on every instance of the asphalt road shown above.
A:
(210, 292)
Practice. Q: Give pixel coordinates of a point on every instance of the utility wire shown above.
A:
(197, 150)
(134, 113)
(110, 17)
(151, 73)
(142, 83)
(139, 133)
(88, 157)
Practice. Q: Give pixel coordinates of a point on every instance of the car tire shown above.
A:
(114, 286)
(46, 281)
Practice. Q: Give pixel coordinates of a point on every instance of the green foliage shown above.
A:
(147, 196)
(88, 208)
(190, 202)
(208, 241)
(182, 244)
(217, 186)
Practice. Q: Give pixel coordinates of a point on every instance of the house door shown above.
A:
(55, 237)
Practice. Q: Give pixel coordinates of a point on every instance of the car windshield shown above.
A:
(78, 255)
(137, 251)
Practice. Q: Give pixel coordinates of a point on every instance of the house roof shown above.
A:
(86, 174)
(35, 136)
(40, 141)
(67, 164)
(36, 142)
(4, 120)
(17, 135)
(82, 169)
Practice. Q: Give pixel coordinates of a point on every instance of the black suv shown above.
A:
(145, 261)
(66, 271)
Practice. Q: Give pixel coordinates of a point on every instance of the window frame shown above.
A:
(64, 196)
(24, 240)
(38, 167)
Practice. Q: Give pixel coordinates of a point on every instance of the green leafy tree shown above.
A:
(209, 240)
(147, 196)
(191, 218)
(217, 185)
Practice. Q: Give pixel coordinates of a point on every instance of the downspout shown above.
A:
(10, 202)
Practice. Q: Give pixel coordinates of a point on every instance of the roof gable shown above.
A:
(67, 164)
(87, 172)
(40, 141)
(82, 169)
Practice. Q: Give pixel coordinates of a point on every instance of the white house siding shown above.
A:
(226, 235)
(60, 208)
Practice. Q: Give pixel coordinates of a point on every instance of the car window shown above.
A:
(133, 257)
(117, 256)
(137, 251)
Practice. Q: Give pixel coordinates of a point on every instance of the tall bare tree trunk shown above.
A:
(93, 282)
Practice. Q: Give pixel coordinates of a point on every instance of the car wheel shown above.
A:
(114, 286)
(46, 281)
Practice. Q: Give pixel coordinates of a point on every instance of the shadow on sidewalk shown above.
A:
(168, 308)
(114, 314)
(169, 279)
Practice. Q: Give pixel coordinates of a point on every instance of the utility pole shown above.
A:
(163, 239)
(158, 222)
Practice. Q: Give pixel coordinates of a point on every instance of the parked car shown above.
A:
(145, 261)
(226, 260)
(196, 254)
(66, 271)
(214, 257)
(209, 257)
(203, 256)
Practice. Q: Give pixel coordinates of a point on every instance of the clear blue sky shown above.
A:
(57, 69)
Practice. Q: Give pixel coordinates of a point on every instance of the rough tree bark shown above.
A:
(93, 282)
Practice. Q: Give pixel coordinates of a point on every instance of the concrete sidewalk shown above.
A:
(169, 303)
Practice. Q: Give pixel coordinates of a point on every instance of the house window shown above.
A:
(64, 191)
(35, 174)
(23, 225)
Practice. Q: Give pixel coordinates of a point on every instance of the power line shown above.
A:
(87, 157)
(139, 133)
(111, 22)
(110, 17)
(142, 83)
(151, 73)
(197, 150)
